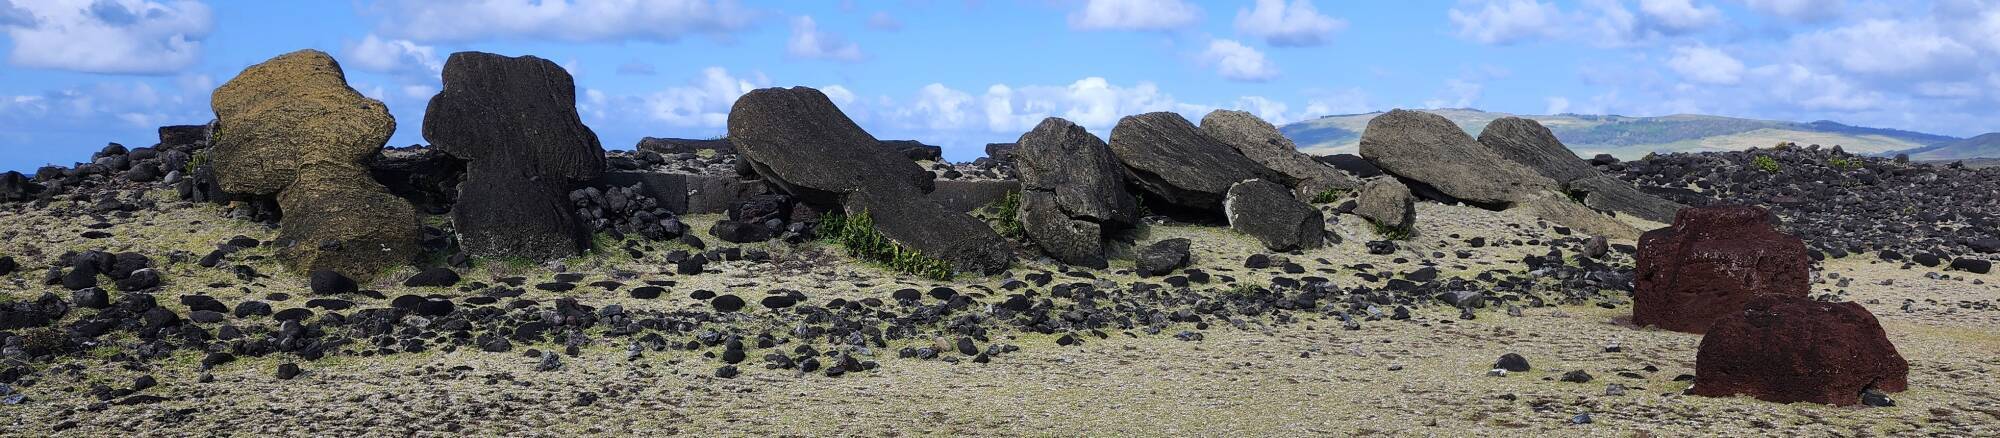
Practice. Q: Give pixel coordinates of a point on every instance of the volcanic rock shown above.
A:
(1268, 212)
(1785, 349)
(1428, 148)
(1527, 142)
(799, 141)
(1172, 160)
(1387, 202)
(1709, 262)
(1162, 257)
(433, 277)
(1072, 191)
(514, 120)
(1262, 143)
(292, 127)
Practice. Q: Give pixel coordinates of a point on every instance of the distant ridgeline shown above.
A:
(1634, 137)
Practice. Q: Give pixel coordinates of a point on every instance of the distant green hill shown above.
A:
(1982, 146)
(1634, 137)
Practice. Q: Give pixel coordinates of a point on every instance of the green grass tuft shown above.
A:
(1765, 163)
(1393, 233)
(1006, 216)
(1330, 195)
(1844, 163)
(857, 233)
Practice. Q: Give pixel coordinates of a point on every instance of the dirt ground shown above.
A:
(1424, 377)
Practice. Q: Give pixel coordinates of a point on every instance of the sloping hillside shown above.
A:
(1982, 146)
(1634, 137)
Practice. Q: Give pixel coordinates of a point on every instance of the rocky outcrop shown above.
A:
(15, 187)
(1072, 192)
(1785, 349)
(292, 127)
(666, 146)
(1262, 143)
(1711, 261)
(1429, 148)
(804, 145)
(1268, 212)
(1172, 160)
(915, 150)
(514, 121)
(1387, 203)
(1529, 143)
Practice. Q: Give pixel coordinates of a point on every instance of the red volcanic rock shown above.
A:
(1790, 349)
(1709, 262)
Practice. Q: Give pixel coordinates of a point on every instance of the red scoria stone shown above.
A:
(1793, 349)
(1709, 262)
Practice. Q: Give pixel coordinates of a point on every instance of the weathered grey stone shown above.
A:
(971, 195)
(684, 145)
(1268, 212)
(1387, 202)
(1261, 142)
(1430, 149)
(1073, 192)
(1527, 142)
(1072, 241)
(799, 141)
(1173, 160)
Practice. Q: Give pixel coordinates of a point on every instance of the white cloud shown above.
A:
(1346, 101)
(1270, 110)
(882, 21)
(393, 56)
(1799, 10)
(1891, 48)
(840, 96)
(1800, 85)
(1092, 102)
(568, 20)
(1706, 65)
(1507, 21)
(1134, 15)
(810, 43)
(105, 36)
(1677, 16)
(1235, 61)
(1557, 105)
(419, 91)
(702, 103)
(1457, 93)
(1288, 25)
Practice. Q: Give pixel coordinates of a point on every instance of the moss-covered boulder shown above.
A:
(293, 128)
(288, 112)
(343, 224)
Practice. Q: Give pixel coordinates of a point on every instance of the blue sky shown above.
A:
(962, 73)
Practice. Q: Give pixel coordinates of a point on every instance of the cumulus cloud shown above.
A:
(1706, 65)
(568, 20)
(809, 42)
(1894, 48)
(106, 36)
(1813, 90)
(1556, 105)
(1134, 15)
(1235, 61)
(1680, 15)
(702, 103)
(393, 56)
(1288, 25)
(1507, 21)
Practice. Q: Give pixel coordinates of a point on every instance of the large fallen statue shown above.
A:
(799, 141)
(1530, 144)
(1072, 192)
(292, 127)
(1429, 149)
(514, 120)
